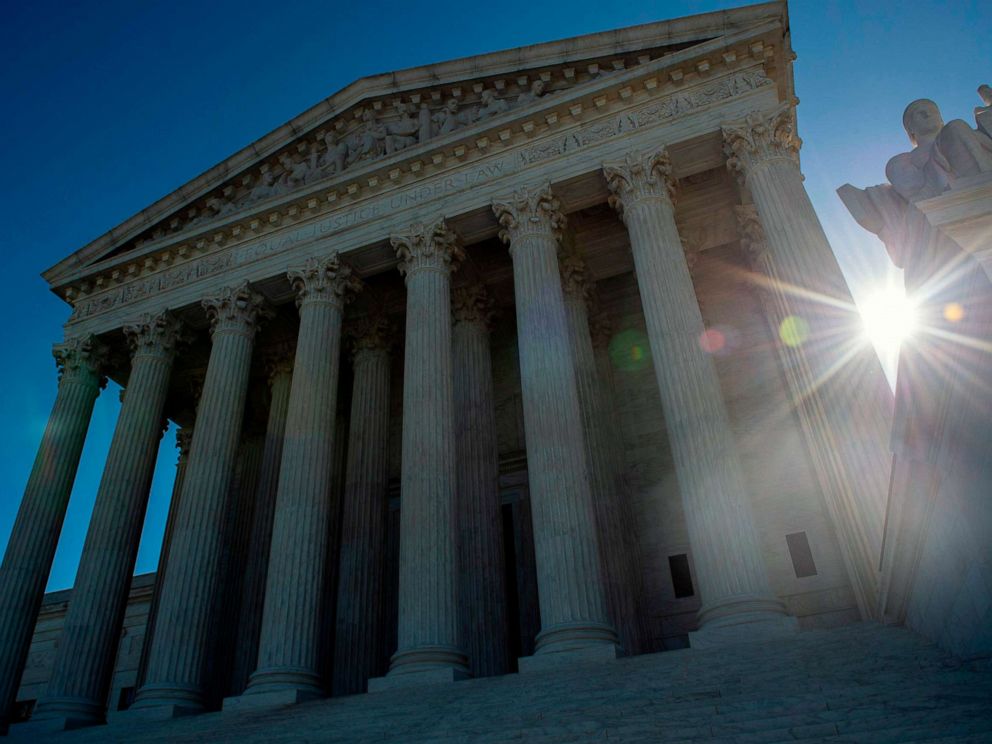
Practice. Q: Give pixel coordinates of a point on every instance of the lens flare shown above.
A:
(712, 341)
(793, 330)
(953, 312)
(629, 350)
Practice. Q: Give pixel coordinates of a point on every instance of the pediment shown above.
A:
(385, 128)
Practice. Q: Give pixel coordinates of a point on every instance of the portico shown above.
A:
(406, 291)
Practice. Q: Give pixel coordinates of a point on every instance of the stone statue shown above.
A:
(294, 173)
(402, 132)
(491, 105)
(537, 90)
(938, 274)
(448, 119)
(335, 154)
(263, 188)
(983, 114)
(942, 153)
(371, 139)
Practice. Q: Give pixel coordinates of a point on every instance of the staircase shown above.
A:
(861, 683)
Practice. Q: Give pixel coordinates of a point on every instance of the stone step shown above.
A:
(854, 684)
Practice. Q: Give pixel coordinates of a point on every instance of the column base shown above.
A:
(161, 712)
(281, 698)
(422, 678)
(63, 714)
(164, 701)
(425, 665)
(597, 654)
(742, 620)
(428, 658)
(573, 637)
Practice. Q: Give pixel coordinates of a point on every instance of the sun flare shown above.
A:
(889, 318)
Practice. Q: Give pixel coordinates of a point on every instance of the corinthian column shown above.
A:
(574, 611)
(177, 662)
(480, 525)
(429, 646)
(363, 521)
(80, 681)
(35, 535)
(730, 569)
(841, 393)
(600, 331)
(288, 653)
(615, 535)
(280, 372)
(184, 438)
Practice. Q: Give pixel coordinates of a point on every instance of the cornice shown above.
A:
(675, 69)
(619, 118)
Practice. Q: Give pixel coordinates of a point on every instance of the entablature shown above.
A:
(687, 121)
(301, 177)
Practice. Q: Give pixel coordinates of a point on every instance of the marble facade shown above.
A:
(479, 368)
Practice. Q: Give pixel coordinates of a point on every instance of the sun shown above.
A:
(889, 318)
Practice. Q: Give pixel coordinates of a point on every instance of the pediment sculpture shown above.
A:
(377, 136)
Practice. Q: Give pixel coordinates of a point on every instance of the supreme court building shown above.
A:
(479, 367)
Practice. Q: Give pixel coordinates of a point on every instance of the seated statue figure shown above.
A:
(402, 132)
(983, 114)
(942, 154)
(938, 274)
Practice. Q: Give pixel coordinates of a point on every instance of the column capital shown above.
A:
(278, 360)
(324, 279)
(427, 246)
(371, 332)
(752, 234)
(600, 329)
(639, 176)
(184, 438)
(574, 272)
(530, 210)
(81, 359)
(761, 137)
(473, 304)
(155, 335)
(692, 242)
(236, 310)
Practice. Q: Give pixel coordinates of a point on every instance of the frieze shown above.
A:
(649, 114)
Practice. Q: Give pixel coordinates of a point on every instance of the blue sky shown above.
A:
(111, 105)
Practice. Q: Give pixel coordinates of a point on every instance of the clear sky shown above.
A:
(111, 105)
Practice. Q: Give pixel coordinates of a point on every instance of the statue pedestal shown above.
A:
(964, 214)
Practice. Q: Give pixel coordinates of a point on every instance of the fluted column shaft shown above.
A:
(31, 549)
(480, 528)
(80, 681)
(842, 396)
(428, 632)
(573, 600)
(612, 443)
(184, 438)
(178, 660)
(614, 533)
(733, 582)
(288, 654)
(240, 516)
(260, 537)
(358, 627)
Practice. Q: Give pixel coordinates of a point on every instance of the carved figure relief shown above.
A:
(330, 153)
